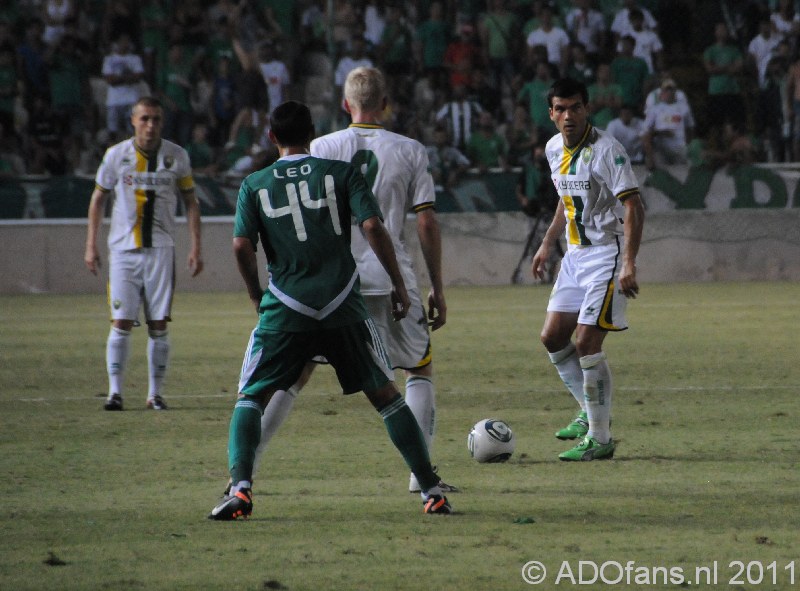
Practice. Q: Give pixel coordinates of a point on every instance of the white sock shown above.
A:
(569, 370)
(431, 492)
(421, 399)
(239, 486)
(157, 357)
(274, 415)
(597, 388)
(118, 348)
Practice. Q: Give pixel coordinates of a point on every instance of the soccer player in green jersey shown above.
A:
(300, 208)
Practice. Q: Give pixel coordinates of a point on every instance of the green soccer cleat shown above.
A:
(577, 429)
(589, 449)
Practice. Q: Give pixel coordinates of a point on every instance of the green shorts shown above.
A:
(274, 360)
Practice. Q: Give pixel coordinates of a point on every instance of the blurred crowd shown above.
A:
(674, 80)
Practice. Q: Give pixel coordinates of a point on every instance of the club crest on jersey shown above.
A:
(168, 161)
(586, 154)
(117, 304)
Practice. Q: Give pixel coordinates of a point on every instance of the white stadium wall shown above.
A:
(46, 256)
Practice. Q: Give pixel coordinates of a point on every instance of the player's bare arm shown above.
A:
(245, 253)
(430, 239)
(634, 222)
(381, 243)
(97, 205)
(554, 232)
(195, 258)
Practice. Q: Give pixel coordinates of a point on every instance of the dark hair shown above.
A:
(291, 124)
(567, 87)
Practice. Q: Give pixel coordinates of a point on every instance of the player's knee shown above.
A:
(553, 342)
(426, 371)
(383, 396)
(122, 325)
(589, 343)
(157, 334)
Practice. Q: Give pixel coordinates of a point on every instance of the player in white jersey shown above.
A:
(147, 174)
(601, 210)
(397, 170)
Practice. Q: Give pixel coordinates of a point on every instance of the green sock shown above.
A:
(407, 438)
(243, 438)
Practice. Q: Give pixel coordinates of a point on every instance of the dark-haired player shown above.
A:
(601, 211)
(300, 208)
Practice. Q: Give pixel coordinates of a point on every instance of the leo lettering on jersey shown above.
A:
(298, 194)
(292, 172)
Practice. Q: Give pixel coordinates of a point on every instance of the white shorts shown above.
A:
(141, 278)
(587, 284)
(407, 341)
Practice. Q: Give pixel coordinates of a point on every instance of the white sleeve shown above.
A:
(614, 168)
(421, 189)
(107, 171)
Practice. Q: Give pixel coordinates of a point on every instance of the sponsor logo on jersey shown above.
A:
(140, 180)
(573, 185)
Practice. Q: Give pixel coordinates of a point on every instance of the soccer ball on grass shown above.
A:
(491, 441)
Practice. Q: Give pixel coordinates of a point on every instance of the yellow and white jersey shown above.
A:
(396, 169)
(146, 193)
(592, 179)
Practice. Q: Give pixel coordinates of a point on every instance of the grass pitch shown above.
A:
(705, 476)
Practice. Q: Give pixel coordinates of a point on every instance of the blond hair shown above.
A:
(365, 89)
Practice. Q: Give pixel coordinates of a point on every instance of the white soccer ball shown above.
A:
(491, 441)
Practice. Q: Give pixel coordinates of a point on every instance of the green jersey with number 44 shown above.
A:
(302, 208)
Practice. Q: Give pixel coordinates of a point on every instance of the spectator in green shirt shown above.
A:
(486, 148)
(432, 38)
(534, 94)
(605, 96)
(723, 62)
(630, 72)
(175, 83)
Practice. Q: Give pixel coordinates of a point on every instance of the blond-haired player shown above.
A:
(396, 169)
